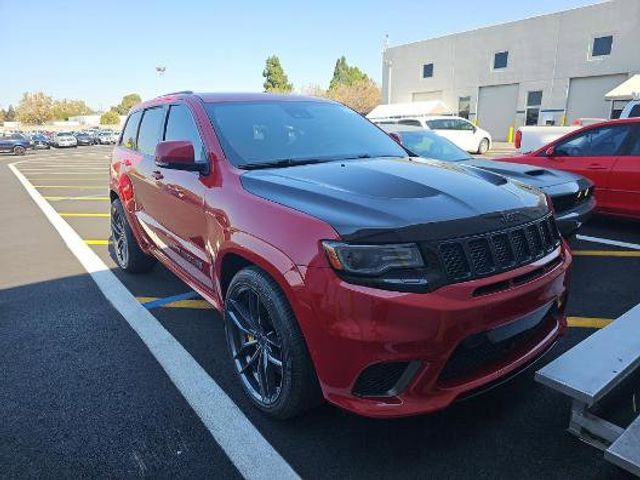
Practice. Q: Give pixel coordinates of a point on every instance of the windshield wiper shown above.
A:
(368, 155)
(282, 163)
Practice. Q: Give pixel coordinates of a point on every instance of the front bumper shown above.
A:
(571, 220)
(350, 328)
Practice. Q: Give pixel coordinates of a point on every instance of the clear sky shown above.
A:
(99, 51)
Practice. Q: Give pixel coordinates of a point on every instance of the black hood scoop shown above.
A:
(385, 199)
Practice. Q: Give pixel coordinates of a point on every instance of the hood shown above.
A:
(530, 174)
(398, 199)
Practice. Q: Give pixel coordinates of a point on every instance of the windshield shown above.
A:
(431, 145)
(296, 131)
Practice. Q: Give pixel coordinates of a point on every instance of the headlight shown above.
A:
(372, 260)
(398, 267)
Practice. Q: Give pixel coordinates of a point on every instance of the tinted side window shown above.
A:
(462, 125)
(128, 138)
(597, 142)
(415, 123)
(635, 143)
(635, 111)
(437, 124)
(150, 130)
(180, 126)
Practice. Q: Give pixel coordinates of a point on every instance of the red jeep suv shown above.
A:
(344, 269)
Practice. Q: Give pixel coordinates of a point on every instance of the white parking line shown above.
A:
(245, 446)
(606, 241)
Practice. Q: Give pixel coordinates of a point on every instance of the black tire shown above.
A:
(124, 246)
(483, 146)
(298, 386)
(19, 150)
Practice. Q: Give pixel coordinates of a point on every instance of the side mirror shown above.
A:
(396, 137)
(475, 129)
(550, 152)
(178, 155)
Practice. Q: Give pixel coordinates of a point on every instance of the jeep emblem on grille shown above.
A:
(510, 217)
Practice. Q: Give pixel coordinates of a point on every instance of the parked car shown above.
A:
(572, 195)
(631, 110)
(343, 268)
(64, 139)
(84, 139)
(15, 143)
(530, 138)
(40, 141)
(608, 154)
(457, 129)
(106, 138)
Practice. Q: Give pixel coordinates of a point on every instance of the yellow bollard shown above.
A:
(511, 132)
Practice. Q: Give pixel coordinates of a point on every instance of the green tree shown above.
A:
(63, 109)
(10, 116)
(35, 108)
(126, 103)
(343, 74)
(110, 118)
(275, 80)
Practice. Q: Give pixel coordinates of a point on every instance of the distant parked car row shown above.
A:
(19, 142)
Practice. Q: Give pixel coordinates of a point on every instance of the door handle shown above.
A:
(157, 175)
(596, 166)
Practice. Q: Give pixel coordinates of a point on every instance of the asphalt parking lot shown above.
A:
(82, 395)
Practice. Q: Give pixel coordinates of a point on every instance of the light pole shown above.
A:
(387, 64)
(160, 69)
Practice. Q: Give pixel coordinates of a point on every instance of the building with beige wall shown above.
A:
(550, 69)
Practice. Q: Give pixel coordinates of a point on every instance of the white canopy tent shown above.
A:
(627, 90)
(412, 109)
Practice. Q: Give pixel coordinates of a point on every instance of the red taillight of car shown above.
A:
(518, 140)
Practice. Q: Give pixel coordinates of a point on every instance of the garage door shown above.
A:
(586, 96)
(427, 96)
(497, 107)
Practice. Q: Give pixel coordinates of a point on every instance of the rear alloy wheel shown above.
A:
(483, 147)
(124, 246)
(268, 351)
(19, 150)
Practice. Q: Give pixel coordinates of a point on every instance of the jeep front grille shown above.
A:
(482, 255)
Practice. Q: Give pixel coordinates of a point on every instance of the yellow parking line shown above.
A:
(588, 322)
(197, 304)
(582, 322)
(76, 198)
(81, 187)
(91, 215)
(97, 242)
(606, 253)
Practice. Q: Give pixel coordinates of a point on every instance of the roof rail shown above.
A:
(186, 92)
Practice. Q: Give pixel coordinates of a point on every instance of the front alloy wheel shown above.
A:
(268, 350)
(255, 346)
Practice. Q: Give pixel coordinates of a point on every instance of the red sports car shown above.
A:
(608, 153)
